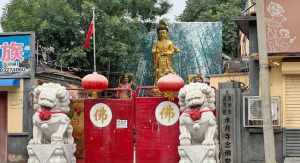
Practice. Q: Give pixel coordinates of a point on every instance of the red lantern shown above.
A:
(94, 81)
(170, 82)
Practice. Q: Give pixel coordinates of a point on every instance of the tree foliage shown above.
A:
(61, 25)
(217, 10)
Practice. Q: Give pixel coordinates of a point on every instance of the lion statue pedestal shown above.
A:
(53, 153)
(52, 140)
(198, 125)
(193, 153)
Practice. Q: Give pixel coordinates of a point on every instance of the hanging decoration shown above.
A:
(94, 81)
(170, 83)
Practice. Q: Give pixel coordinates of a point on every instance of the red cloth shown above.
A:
(89, 35)
(45, 114)
(197, 113)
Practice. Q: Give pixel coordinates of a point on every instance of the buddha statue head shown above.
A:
(162, 30)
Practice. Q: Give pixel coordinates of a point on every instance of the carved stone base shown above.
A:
(196, 154)
(51, 153)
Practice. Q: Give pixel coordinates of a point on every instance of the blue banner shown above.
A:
(15, 55)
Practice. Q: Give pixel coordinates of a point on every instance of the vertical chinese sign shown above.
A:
(16, 55)
(226, 128)
(230, 122)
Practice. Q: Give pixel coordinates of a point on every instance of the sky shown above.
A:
(176, 10)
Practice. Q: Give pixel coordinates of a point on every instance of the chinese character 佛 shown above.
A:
(101, 114)
(167, 112)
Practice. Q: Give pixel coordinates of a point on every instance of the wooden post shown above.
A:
(269, 146)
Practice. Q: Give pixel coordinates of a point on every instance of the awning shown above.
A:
(9, 82)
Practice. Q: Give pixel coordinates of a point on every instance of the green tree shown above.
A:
(217, 10)
(61, 25)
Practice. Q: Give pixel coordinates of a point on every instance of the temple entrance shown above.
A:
(3, 126)
(139, 129)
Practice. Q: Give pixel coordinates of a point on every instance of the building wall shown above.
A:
(278, 76)
(285, 82)
(222, 78)
(291, 98)
(18, 113)
(14, 108)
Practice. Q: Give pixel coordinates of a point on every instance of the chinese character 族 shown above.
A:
(11, 52)
(16, 51)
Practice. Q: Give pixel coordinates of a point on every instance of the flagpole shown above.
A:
(95, 70)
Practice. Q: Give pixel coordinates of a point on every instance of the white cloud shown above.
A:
(176, 10)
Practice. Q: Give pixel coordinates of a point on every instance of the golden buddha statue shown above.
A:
(163, 51)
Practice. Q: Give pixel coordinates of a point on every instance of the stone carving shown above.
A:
(52, 133)
(198, 125)
(279, 36)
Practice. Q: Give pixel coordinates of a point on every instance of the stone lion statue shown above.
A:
(51, 125)
(198, 124)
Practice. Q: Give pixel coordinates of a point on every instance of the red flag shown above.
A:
(89, 35)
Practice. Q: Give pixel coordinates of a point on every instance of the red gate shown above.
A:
(108, 135)
(155, 143)
(109, 126)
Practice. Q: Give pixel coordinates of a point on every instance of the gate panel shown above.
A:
(155, 143)
(112, 143)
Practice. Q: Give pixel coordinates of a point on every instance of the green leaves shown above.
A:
(61, 25)
(74, 57)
